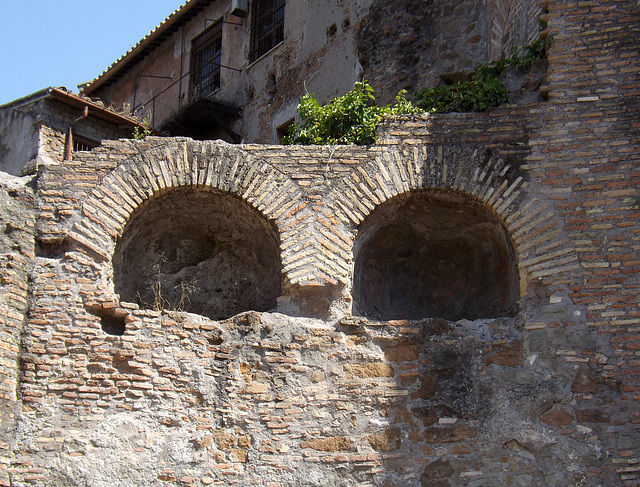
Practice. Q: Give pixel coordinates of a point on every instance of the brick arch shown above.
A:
(209, 165)
(542, 248)
(181, 164)
(205, 252)
(434, 253)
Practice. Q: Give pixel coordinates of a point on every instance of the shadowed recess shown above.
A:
(434, 254)
(201, 252)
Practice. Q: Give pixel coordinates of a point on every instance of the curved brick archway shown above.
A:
(434, 254)
(186, 167)
(203, 252)
(184, 164)
(531, 223)
(307, 240)
(316, 245)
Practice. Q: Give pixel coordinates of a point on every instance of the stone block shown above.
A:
(557, 417)
(450, 434)
(328, 444)
(369, 370)
(387, 441)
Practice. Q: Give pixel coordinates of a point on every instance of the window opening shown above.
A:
(83, 144)
(206, 56)
(267, 26)
(282, 130)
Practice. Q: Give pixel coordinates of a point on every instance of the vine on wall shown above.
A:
(354, 117)
(485, 89)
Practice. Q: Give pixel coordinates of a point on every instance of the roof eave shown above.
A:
(25, 100)
(109, 116)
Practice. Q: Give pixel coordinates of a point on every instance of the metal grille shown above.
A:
(83, 144)
(267, 26)
(206, 54)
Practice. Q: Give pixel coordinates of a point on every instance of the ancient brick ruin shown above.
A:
(456, 305)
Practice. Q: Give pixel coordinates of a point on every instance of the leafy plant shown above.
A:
(483, 91)
(348, 119)
(402, 106)
(525, 57)
(142, 133)
(354, 117)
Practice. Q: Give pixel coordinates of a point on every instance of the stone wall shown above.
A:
(35, 132)
(16, 258)
(412, 44)
(320, 390)
(158, 397)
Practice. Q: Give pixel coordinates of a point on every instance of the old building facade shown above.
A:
(456, 305)
(47, 127)
(229, 70)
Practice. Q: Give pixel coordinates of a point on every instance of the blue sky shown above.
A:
(66, 43)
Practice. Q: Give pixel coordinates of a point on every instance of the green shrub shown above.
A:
(484, 90)
(348, 119)
(142, 133)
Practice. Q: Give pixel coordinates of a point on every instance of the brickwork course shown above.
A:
(531, 381)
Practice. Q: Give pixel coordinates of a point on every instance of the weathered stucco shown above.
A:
(19, 140)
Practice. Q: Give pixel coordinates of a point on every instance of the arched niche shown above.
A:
(434, 254)
(203, 252)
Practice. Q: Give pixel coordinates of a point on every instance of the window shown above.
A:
(206, 53)
(74, 143)
(83, 144)
(282, 130)
(267, 26)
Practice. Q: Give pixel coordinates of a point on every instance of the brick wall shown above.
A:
(588, 167)
(59, 116)
(312, 395)
(271, 380)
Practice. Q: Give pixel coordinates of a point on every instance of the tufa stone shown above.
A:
(329, 444)
(387, 441)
